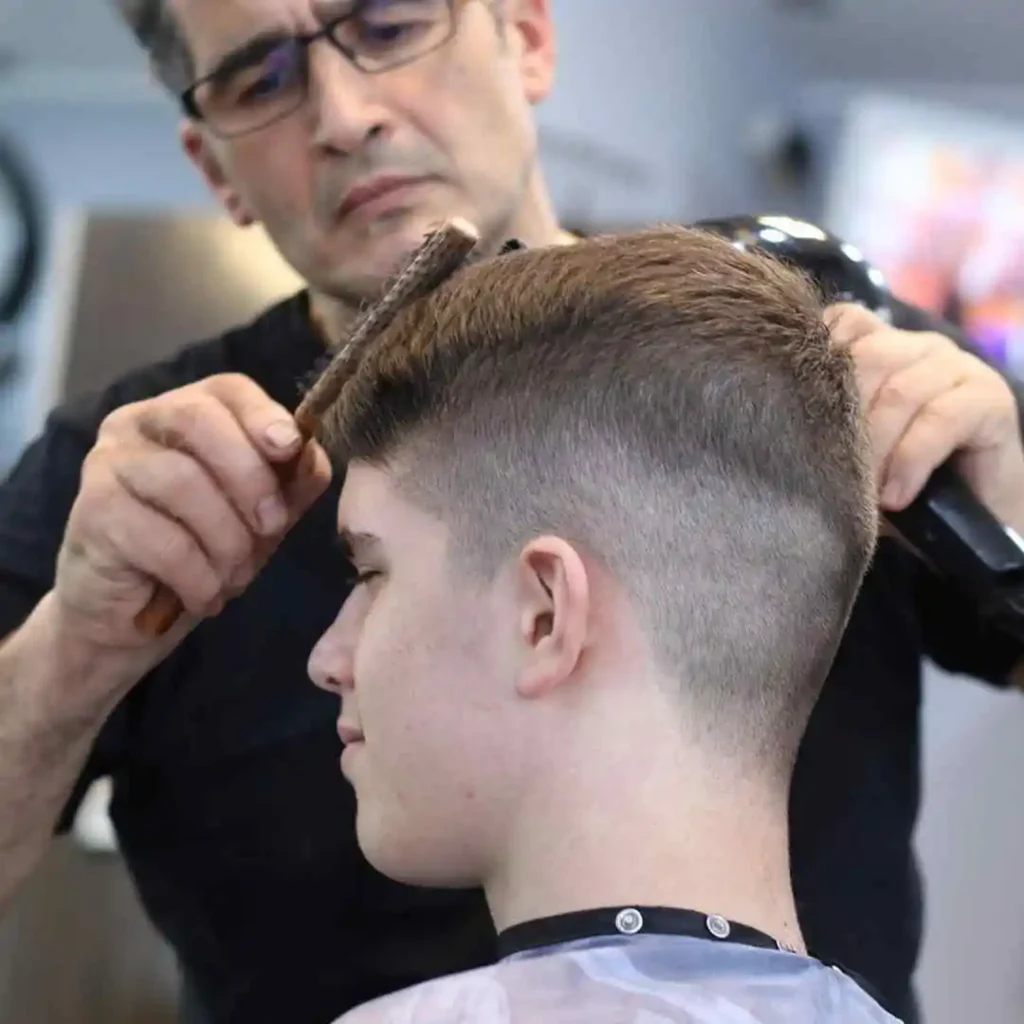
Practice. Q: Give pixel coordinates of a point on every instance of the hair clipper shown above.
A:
(946, 525)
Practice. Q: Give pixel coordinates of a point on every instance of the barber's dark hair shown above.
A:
(156, 29)
(673, 407)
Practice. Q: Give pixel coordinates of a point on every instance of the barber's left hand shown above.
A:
(925, 399)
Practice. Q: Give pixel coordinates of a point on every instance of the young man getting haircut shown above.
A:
(610, 506)
(345, 128)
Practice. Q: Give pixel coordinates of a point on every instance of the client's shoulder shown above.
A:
(472, 997)
(663, 980)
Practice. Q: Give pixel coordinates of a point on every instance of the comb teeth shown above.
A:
(441, 253)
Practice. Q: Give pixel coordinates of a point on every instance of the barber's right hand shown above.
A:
(181, 490)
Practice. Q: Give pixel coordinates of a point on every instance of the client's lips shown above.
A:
(349, 733)
(373, 189)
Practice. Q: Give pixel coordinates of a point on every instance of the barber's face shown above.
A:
(423, 658)
(447, 133)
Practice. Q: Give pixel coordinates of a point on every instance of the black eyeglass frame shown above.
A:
(305, 40)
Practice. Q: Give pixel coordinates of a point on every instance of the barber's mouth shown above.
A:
(376, 196)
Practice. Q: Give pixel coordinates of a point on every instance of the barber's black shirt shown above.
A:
(238, 826)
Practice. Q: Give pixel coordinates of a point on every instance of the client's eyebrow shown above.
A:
(356, 542)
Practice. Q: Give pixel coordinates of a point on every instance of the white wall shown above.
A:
(971, 841)
(941, 41)
(680, 85)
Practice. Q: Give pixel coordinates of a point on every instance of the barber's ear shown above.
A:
(534, 29)
(554, 614)
(201, 151)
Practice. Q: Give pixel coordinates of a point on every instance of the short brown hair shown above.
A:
(674, 407)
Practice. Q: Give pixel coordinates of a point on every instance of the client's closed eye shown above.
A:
(365, 575)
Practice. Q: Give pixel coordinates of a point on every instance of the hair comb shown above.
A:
(440, 255)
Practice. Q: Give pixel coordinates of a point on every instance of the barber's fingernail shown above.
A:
(282, 434)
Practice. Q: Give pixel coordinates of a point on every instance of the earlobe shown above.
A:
(199, 150)
(555, 614)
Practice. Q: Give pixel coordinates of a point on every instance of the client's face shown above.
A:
(422, 658)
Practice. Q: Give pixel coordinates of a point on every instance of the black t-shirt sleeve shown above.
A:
(37, 495)
(276, 350)
(35, 502)
(955, 637)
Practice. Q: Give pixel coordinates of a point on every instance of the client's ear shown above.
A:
(554, 614)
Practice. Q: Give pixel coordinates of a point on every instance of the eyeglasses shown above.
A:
(268, 78)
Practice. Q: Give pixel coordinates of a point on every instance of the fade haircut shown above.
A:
(674, 408)
(156, 30)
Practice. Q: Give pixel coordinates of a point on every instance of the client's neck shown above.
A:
(639, 825)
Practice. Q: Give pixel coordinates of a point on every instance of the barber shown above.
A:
(228, 802)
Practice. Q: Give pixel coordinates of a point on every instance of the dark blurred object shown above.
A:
(8, 364)
(839, 269)
(21, 232)
(784, 150)
(794, 158)
(946, 524)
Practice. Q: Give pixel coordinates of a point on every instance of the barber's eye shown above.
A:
(275, 73)
(385, 25)
(384, 36)
(261, 88)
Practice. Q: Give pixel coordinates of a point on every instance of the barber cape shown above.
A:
(634, 965)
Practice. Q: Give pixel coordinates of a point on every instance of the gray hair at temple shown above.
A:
(156, 29)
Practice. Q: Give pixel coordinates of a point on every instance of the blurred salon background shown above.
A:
(897, 125)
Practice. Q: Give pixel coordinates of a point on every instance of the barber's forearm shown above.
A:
(55, 695)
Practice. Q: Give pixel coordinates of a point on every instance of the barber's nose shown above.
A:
(346, 103)
(331, 663)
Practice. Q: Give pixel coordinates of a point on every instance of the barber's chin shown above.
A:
(370, 259)
(388, 240)
(360, 261)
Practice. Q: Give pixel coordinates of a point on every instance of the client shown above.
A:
(609, 505)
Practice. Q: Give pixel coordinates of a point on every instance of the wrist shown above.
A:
(74, 676)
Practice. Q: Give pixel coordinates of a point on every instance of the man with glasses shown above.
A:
(349, 129)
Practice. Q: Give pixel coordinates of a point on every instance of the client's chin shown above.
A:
(413, 859)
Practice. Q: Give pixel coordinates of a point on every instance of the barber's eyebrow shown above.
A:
(253, 49)
(257, 46)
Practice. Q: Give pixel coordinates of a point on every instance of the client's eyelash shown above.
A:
(365, 576)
